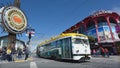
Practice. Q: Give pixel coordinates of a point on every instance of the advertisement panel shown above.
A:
(103, 33)
(117, 27)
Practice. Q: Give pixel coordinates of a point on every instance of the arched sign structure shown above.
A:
(13, 20)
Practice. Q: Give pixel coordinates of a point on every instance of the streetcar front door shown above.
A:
(67, 48)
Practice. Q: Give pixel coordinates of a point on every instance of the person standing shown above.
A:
(9, 58)
(3, 54)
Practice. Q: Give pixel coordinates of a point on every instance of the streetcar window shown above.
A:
(77, 41)
(53, 44)
(58, 43)
(80, 41)
(41, 48)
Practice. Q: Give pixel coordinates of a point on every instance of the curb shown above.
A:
(20, 60)
(23, 60)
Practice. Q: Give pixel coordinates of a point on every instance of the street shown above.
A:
(95, 62)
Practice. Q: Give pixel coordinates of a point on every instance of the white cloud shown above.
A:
(1, 9)
(116, 9)
(37, 40)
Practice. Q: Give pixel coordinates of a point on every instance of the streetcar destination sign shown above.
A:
(14, 20)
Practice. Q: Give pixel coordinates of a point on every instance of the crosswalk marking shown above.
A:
(33, 65)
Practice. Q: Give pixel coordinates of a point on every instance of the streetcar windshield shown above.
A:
(77, 41)
(80, 41)
(85, 41)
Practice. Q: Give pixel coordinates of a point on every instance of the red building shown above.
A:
(104, 26)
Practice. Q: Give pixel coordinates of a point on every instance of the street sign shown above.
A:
(13, 20)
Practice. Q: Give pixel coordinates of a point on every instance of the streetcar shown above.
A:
(67, 46)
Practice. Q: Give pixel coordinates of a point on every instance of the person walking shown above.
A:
(26, 53)
(94, 52)
(20, 53)
(13, 52)
(106, 52)
(103, 51)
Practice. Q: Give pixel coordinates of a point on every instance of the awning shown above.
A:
(107, 41)
(117, 40)
(110, 41)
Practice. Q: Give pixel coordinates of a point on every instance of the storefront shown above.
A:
(4, 42)
(102, 25)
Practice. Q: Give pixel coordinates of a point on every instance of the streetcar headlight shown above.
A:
(77, 51)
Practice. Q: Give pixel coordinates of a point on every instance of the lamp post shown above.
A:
(30, 32)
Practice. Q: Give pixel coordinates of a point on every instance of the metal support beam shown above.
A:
(17, 3)
(12, 36)
(12, 40)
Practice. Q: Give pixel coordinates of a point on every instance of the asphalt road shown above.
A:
(95, 62)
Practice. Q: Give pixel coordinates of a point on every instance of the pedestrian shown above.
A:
(26, 53)
(106, 52)
(94, 52)
(97, 52)
(19, 53)
(102, 51)
(13, 52)
(9, 58)
(0, 54)
(3, 55)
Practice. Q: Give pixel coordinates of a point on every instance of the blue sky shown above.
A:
(51, 17)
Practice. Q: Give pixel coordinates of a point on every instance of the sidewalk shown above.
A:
(17, 60)
(100, 56)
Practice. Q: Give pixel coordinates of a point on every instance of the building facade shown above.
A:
(104, 26)
(4, 42)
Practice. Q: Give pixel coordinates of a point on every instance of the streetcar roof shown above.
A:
(61, 36)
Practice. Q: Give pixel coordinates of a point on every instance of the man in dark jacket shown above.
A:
(26, 53)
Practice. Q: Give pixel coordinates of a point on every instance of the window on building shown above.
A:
(101, 21)
(112, 21)
(81, 29)
(90, 25)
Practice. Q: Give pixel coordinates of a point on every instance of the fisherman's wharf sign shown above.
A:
(14, 20)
